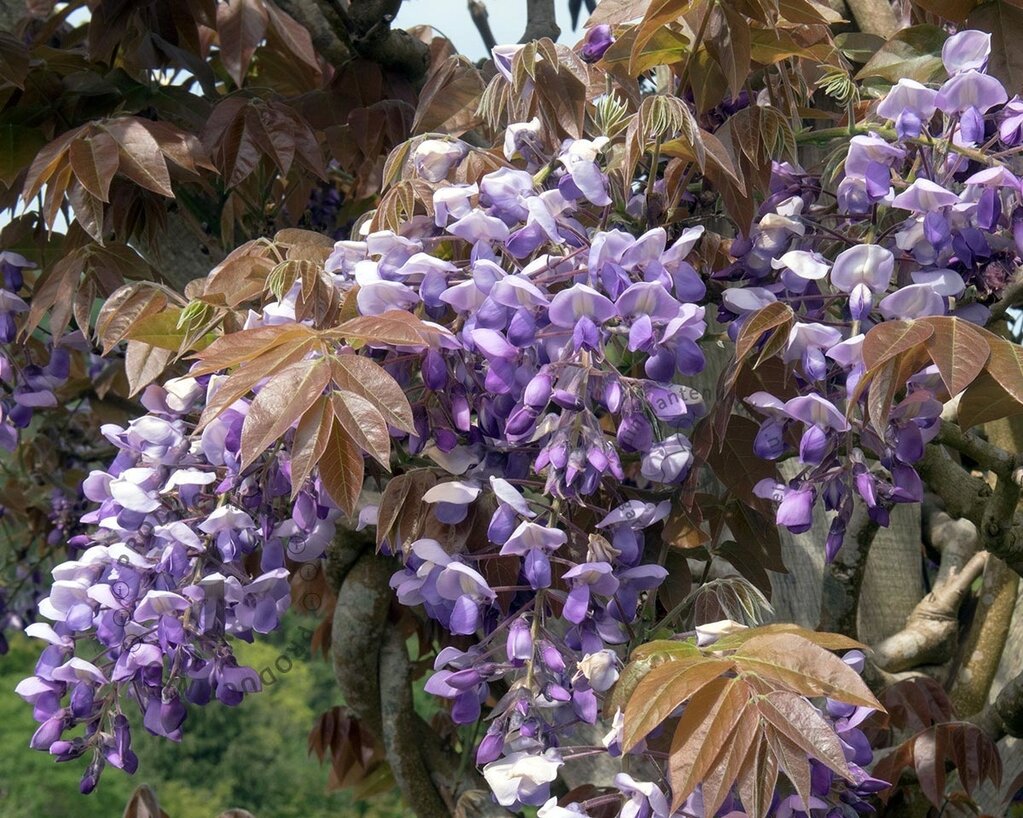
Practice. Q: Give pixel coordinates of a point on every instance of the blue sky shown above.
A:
(507, 21)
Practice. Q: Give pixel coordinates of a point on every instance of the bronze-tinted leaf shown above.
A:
(719, 780)
(757, 779)
(662, 690)
(729, 43)
(985, 400)
(247, 376)
(294, 38)
(46, 163)
(238, 347)
(801, 666)
(94, 160)
(88, 210)
(241, 25)
(891, 338)
(280, 403)
(802, 724)
(704, 734)
(448, 101)
(666, 46)
(883, 384)
(735, 462)
(310, 441)
(364, 424)
(341, 469)
(392, 328)
(143, 364)
(141, 159)
(371, 381)
(55, 292)
(959, 351)
(828, 641)
(774, 315)
(917, 703)
(399, 519)
(791, 759)
(913, 53)
(658, 14)
(1006, 367)
(159, 329)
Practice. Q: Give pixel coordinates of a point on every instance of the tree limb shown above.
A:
(983, 648)
(874, 17)
(1012, 296)
(991, 457)
(930, 632)
(843, 577)
(1004, 716)
(373, 38)
(481, 19)
(540, 21)
(970, 498)
(325, 36)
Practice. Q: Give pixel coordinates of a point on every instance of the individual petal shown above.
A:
(804, 264)
(970, 89)
(965, 51)
(868, 264)
(580, 301)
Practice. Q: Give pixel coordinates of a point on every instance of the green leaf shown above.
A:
(159, 329)
(913, 53)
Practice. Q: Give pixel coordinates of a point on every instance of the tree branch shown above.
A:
(874, 17)
(985, 643)
(325, 36)
(843, 577)
(986, 454)
(930, 632)
(373, 38)
(970, 498)
(540, 21)
(1004, 716)
(1012, 296)
(481, 19)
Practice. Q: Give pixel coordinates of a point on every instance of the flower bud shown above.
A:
(598, 40)
(434, 158)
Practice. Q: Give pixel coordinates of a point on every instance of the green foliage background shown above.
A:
(253, 756)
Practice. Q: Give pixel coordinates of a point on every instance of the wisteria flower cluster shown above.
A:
(954, 206)
(555, 397)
